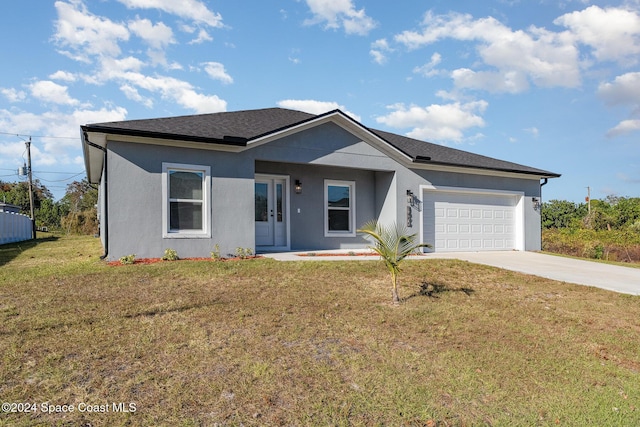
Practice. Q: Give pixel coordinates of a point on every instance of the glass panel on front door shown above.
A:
(279, 202)
(262, 205)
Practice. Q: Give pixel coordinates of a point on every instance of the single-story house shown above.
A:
(282, 180)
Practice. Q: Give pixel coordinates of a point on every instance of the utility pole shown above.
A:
(33, 217)
(589, 199)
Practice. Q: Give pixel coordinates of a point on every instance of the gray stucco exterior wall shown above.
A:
(324, 152)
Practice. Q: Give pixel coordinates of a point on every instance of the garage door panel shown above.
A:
(469, 221)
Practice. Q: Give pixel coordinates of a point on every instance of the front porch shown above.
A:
(313, 207)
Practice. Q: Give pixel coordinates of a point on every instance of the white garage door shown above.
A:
(455, 221)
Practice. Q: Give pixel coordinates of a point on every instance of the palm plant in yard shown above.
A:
(393, 243)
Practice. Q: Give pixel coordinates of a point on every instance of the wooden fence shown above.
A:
(14, 227)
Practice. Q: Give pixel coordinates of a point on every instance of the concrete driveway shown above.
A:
(606, 276)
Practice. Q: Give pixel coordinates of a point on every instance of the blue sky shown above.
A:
(550, 84)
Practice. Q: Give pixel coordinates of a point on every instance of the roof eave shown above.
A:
(93, 148)
(236, 141)
(533, 173)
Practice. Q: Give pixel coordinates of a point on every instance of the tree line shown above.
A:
(76, 212)
(612, 213)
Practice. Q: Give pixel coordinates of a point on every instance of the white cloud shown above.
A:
(94, 39)
(496, 82)
(203, 36)
(613, 33)
(625, 89)
(216, 71)
(158, 36)
(177, 91)
(11, 150)
(379, 50)
(13, 95)
(437, 123)
(199, 102)
(132, 93)
(63, 75)
(49, 151)
(49, 91)
(624, 127)
(378, 56)
(429, 69)
(189, 9)
(340, 13)
(534, 131)
(86, 34)
(546, 58)
(315, 107)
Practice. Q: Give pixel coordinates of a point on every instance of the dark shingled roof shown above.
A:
(240, 127)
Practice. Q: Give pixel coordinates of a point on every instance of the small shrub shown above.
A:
(598, 251)
(215, 253)
(244, 253)
(128, 259)
(170, 255)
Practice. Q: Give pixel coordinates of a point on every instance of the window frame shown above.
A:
(167, 231)
(351, 209)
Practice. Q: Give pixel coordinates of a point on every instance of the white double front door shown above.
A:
(271, 211)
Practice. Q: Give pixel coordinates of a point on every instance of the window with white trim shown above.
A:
(340, 212)
(185, 192)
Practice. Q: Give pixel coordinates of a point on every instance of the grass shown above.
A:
(259, 342)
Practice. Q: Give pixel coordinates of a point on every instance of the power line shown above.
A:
(57, 172)
(20, 135)
(61, 173)
(59, 180)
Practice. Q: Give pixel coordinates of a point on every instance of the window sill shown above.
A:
(186, 235)
(339, 234)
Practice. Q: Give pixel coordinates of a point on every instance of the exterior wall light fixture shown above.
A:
(536, 203)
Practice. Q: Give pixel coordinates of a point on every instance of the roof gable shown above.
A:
(253, 127)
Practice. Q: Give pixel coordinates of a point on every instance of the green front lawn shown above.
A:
(261, 342)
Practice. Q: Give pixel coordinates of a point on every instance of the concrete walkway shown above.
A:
(606, 276)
